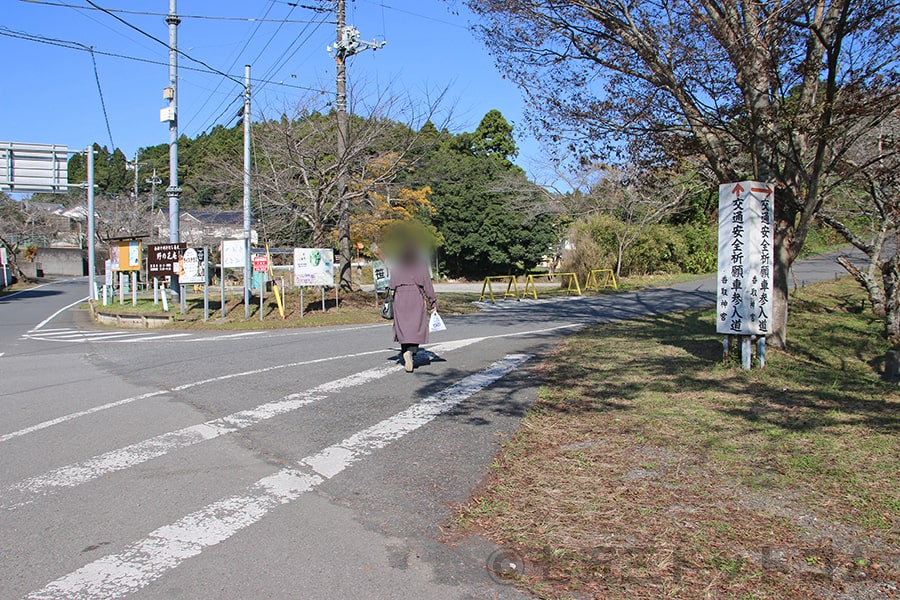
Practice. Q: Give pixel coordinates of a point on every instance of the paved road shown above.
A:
(281, 464)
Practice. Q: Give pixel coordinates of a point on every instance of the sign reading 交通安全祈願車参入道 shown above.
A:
(746, 224)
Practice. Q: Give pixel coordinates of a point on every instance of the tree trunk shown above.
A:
(782, 262)
(865, 279)
(890, 275)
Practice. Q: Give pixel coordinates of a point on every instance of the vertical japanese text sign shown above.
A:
(746, 221)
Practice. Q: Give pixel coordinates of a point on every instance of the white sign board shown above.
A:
(233, 254)
(33, 167)
(192, 266)
(3, 256)
(313, 267)
(746, 224)
(381, 275)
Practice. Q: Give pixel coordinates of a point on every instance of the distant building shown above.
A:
(202, 228)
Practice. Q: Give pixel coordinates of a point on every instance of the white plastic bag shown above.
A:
(436, 323)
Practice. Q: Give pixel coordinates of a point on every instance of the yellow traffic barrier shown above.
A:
(510, 285)
(573, 284)
(593, 280)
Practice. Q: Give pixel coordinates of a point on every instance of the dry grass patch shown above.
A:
(649, 469)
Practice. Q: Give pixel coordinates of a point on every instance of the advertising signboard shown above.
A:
(744, 298)
(125, 256)
(260, 263)
(314, 267)
(193, 268)
(233, 254)
(162, 259)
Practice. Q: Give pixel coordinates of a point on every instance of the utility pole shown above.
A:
(341, 54)
(136, 169)
(346, 45)
(247, 271)
(90, 218)
(153, 181)
(173, 191)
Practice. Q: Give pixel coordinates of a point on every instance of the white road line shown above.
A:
(57, 313)
(152, 338)
(63, 335)
(75, 415)
(444, 347)
(226, 337)
(147, 560)
(28, 490)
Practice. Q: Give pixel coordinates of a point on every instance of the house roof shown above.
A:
(224, 217)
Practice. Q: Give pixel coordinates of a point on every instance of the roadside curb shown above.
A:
(131, 321)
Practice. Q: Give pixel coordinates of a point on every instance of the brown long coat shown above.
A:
(413, 295)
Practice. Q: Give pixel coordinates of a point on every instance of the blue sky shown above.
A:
(53, 95)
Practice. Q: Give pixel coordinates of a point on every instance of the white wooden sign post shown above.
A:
(746, 238)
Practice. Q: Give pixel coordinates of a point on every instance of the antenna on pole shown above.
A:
(170, 114)
(347, 44)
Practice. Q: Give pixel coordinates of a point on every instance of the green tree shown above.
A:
(765, 89)
(484, 233)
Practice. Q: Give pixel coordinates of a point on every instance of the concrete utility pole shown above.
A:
(153, 181)
(247, 216)
(90, 218)
(136, 169)
(342, 135)
(346, 45)
(173, 191)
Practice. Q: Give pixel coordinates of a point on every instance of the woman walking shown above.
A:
(413, 295)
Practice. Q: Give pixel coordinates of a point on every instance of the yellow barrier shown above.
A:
(510, 285)
(593, 281)
(573, 284)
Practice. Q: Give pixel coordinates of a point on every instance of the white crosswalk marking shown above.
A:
(164, 549)
(26, 491)
(79, 336)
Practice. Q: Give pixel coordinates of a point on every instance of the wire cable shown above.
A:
(161, 42)
(158, 14)
(72, 45)
(230, 67)
(112, 144)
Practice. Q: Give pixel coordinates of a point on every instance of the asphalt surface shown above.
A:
(277, 464)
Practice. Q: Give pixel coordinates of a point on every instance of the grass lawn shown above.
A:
(648, 468)
(354, 309)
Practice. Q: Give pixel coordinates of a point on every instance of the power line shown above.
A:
(281, 61)
(157, 14)
(112, 144)
(161, 42)
(72, 45)
(231, 66)
(421, 16)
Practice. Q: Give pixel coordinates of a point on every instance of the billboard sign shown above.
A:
(260, 263)
(193, 266)
(233, 254)
(162, 259)
(33, 168)
(313, 267)
(125, 256)
(746, 238)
